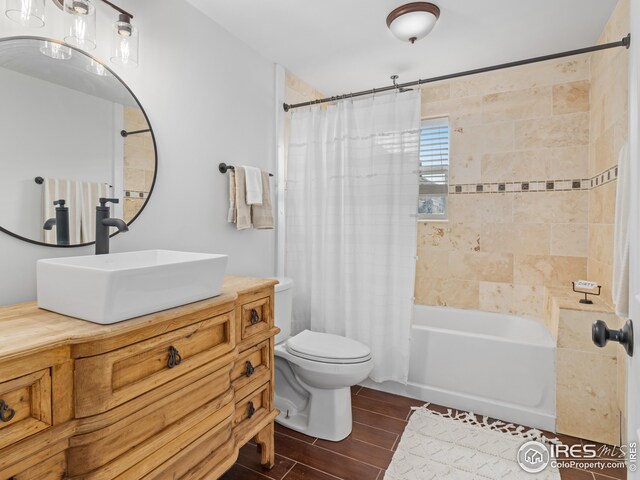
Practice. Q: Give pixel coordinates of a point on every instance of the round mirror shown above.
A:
(71, 133)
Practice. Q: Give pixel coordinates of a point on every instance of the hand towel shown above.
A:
(620, 284)
(243, 211)
(253, 185)
(262, 215)
(231, 216)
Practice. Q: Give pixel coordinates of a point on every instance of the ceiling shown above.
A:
(339, 46)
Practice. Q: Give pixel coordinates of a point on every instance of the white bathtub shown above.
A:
(492, 364)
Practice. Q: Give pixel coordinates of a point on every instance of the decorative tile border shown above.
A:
(135, 194)
(607, 176)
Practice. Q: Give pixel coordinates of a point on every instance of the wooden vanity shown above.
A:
(174, 394)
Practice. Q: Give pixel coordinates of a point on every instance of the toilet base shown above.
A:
(327, 414)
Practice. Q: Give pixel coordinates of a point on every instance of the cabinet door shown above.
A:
(106, 381)
(25, 406)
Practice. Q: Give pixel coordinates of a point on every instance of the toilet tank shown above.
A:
(283, 304)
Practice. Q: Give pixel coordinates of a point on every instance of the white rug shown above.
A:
(441, 446)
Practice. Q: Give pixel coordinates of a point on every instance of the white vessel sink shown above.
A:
(110, 288)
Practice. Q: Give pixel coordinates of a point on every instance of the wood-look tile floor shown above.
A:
(378, 422)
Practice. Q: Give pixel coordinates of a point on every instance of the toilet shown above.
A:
(314, 373)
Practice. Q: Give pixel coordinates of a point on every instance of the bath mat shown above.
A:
(460, 447)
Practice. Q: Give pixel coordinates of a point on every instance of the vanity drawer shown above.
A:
(111, 379)
(152, 427)
(25, 406)
(252, 409)
(251, 369)
(53, 468)
(255, 317)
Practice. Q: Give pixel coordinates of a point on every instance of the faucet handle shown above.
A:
(103, 201)
(60, 202)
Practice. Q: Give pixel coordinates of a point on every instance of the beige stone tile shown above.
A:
(494, 208)
(602, 203)
(432, 264)
(131, 208)
(604, 155)
(568, 163)
(601, 243)
(519, 78)
(586, 397)
(496, 297)
(602, 274)
(520, 238)
(550, 207)
(479, 139)
(466, 111)
(571, 97)
(435, 93)
(487, 267)
(574, 330)
(517, 105)
(134, 179)
(463, 209)
(557, 131)
(448, 292)
(464, 168)
(546, 270)
(528, 301)
(569, 239)
(515, 166)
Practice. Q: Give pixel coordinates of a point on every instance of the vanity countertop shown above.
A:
(27, 329)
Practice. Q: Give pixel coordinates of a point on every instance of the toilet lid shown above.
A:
(324, 347)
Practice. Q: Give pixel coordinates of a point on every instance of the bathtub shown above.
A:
(492, 364)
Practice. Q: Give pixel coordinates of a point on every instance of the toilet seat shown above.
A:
(327, 348)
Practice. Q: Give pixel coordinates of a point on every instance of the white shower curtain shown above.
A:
(352, 190)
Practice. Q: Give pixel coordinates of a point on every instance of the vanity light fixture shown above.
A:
(56, 51)
(413, 21)
(97, 69)
(80, 24)
(125, 42)
(79, 27)
(29, 13)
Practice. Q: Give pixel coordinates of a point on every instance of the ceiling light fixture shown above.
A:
(80, 27)
(413, 21)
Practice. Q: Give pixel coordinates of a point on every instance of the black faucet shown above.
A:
(61, 222)
(103, 222)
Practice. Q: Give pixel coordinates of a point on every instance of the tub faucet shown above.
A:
(103, 222)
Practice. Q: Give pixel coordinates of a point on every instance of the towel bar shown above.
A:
(223, 167)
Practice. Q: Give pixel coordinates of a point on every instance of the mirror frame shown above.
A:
(153, 139)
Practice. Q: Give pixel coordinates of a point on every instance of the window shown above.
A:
(434, 169)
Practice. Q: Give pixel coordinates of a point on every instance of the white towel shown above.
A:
(620, 284)
(253, 185)
(262, 215)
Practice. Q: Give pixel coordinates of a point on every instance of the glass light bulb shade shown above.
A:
(56, 51)
(29, 13)
(413, 26)
(98, 69)
(80, 24)
(125, 44)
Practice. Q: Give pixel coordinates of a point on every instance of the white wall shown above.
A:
(35, 116)
(209, 98)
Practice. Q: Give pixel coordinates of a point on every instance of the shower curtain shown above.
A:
(352, 190)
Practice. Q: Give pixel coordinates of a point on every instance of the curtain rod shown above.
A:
(625, 42)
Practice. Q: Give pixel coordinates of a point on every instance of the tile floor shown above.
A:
(378, 422)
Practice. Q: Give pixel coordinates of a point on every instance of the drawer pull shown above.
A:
(174, 357)
(250, 369)
(252, 409)
(6, 413)
(255, 318)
